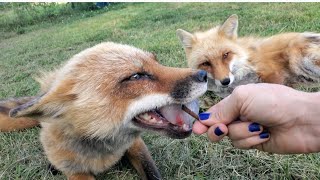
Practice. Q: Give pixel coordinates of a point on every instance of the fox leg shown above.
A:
(142, 161)
(12, 124)
(81, 176)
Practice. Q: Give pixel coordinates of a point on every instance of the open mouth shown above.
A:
(174, 119)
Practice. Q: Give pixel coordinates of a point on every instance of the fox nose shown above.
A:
(225, 81)
(201, 76)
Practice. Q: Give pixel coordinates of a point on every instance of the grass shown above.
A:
(150, 26)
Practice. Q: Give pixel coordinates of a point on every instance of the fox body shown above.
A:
(93, 109)
(289, 58)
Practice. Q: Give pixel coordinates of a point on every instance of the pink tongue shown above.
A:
(175, 115)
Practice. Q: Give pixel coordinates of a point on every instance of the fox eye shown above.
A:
(225, 55)
(205, 64)
(138, 76)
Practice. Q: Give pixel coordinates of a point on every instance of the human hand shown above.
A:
(290, 117)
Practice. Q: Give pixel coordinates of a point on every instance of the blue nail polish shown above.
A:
(254, 127)
(264, 135)
(218, 131)
(204, 116)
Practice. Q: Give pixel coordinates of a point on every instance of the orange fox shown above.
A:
(289, 58)
(94, 108)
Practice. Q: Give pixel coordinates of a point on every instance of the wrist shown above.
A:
(310, 121)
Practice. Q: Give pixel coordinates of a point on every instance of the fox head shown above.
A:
(215, 51)
(112, 87)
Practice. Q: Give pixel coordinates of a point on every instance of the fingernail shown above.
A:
(264, 135)
(204, 116)
(254, 127)
(218, 131)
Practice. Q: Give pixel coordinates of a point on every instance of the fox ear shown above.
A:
(50, 104)
(186, 38)
(230, 27)
(32, 108)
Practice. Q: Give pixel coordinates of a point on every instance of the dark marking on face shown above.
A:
(182, 89)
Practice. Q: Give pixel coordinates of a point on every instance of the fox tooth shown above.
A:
(153, 120)
(159, 122)
(145, 116)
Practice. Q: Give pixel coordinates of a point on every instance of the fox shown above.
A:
(291, 59)
(93, 109)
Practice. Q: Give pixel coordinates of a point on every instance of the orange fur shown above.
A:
(7, 123)
(91, 109)
(289, 58)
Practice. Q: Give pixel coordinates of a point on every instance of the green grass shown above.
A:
(150, 26)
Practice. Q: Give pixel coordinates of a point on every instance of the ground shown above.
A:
(150, 26)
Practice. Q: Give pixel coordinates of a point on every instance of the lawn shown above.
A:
(150, 26)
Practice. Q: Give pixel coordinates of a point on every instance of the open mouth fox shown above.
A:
(93, 109)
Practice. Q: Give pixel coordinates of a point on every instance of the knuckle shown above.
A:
(240, 92)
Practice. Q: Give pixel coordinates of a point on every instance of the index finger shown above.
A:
(226, 111)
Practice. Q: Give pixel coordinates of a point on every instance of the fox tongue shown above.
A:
(175, 115)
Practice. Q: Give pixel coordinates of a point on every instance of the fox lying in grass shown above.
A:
(93, 109)
(289, 58)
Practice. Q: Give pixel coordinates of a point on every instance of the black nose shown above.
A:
(225, 81)
(201, 76)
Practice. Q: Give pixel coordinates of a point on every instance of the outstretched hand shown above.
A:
(268, 117)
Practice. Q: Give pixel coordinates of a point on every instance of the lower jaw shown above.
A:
(170, 131)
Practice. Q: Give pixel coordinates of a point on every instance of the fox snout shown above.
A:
(190, 87)
(226, 81)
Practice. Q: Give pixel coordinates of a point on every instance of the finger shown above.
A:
(251, 142)
(199, 128)
(243, 130)
(227, 110)
(217, 132)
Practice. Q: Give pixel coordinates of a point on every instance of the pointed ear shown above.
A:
(29, 109)
(50, 104)
(154, 56)
(230, 27)
(186, 38)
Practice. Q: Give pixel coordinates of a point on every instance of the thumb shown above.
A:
(227, 110)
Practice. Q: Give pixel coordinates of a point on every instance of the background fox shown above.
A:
(93, 109)
(289, 58)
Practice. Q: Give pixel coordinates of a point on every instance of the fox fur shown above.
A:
(290, 58)
(10, 124)
(88, 108)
